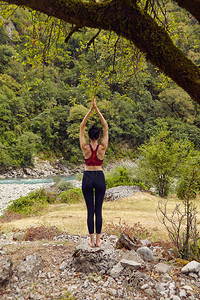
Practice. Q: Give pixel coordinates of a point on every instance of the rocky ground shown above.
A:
(47, 269)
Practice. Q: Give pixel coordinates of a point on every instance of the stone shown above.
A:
(162, 268)
(120, 192)
(29, 267)
(126, 242)
(18, 236)
(159, 288)
(130, 263)
(116, 270)
(144, 286)
(145, 253)
(165, 277)
(87, 259)
(191, 267)
(193, 275)
(145, 242)
(182, 293)
(133, 256)
(5, 270)
(175, 297)
(63, 266)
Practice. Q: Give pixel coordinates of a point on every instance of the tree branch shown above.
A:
(127, 20)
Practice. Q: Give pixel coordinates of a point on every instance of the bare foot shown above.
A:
(98, 243)
(92, 244)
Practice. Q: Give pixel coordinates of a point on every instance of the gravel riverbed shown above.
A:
(11, 192)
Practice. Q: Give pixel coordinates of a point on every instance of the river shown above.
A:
(13, 188)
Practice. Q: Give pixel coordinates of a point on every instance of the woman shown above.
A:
(93, 177)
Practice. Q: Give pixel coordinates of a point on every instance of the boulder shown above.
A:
(127, 242)
(5, 270)
(133, 256)
(29, 267)
(191, 267)
(98, 259)
(162, 268)
(121, 192)
(130, 263)
(145, 253)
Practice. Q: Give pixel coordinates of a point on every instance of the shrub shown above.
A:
(121, 176)
(32, 204)
(71, 196)
(137, 230)
(64, 185)
(41, 232)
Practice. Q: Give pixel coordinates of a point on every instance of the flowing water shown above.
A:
(37, 180)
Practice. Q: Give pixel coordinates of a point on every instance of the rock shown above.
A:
(5, 270)
(163, 268)
(133, 256)
(87, 259)
(174, 297)
(145, 242)
(182, 293)
(120, 192)
(193, 275)
(29, 267)
(116, 270)
(145, 253)
(63, 266)
(126, 242)
(130, 263)
(18, 236)
(165, 277)
(191, 267)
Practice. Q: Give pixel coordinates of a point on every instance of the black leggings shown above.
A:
(94, 181)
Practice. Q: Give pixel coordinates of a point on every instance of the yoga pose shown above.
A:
(93, 184)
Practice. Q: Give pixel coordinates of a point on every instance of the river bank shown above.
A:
(41, 169)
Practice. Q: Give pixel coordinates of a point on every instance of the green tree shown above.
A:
(134, 21)
(182, 224)
(161, 158)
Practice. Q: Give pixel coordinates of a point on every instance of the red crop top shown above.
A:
(93, 159)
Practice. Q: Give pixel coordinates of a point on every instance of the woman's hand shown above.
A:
(94, 103)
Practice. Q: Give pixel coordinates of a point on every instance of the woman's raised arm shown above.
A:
(82, 138)
(104, 141)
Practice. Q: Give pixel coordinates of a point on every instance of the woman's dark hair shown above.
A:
(94, 132)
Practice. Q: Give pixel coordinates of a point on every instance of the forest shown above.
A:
(49, 70)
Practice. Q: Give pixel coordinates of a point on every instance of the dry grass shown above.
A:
(72, 217)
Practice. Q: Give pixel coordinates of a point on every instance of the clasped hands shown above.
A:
(93, 104)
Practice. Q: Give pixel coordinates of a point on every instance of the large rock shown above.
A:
(120, 192)
(145, 253)
(5, 270)
(192, 266)
(98, 259)
(133, 256)
(29, 267)
(163, 268)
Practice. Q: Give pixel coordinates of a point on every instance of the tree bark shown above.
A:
(126, 19)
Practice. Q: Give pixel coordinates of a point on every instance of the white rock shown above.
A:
(129, 263)
(116, 270)
(182, 293)
(192, 266)
(174, 297)
(187, 287)
(163, 268)
(144, 286)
